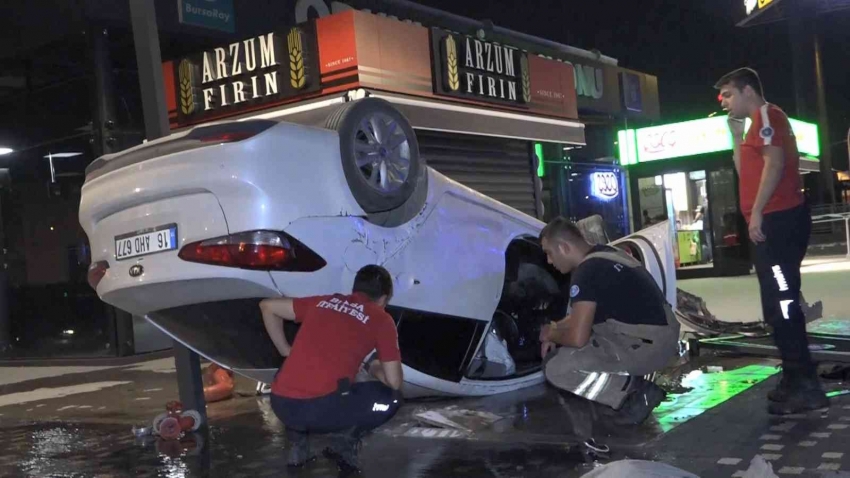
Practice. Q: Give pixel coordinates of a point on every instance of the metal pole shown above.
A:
(105, 143)
(104, 115)
(5, 317)
(847, 234)
(823, 120)
(802, 23)
(189, 380)
(149, 62)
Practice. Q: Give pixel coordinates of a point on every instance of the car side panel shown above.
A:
(656, 247)
(450, 259)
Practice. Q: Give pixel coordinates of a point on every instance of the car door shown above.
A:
(653, 247)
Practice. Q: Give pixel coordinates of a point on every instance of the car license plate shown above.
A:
(148, 241)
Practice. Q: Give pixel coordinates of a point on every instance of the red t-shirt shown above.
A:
(770, 127)
(337, 332)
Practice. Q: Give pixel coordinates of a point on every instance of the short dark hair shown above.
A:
(741, 78)
(562, 228)
(374, 281)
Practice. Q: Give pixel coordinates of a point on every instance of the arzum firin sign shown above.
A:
(243, 74)
(477, 69)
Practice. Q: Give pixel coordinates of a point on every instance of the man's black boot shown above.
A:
(299, 449)
(344, 451)
(783, 388)
(804, 394)
(640, 403)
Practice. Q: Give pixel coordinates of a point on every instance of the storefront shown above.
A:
(582, 190)
(684, 172)
(483, 100)
(609, 98)
(476, 105)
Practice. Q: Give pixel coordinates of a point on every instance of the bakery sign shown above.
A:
(263, 69)
(470, 68)
(751, 5)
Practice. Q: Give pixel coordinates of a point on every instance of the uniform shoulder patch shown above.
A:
(574, 290)
(766, 132)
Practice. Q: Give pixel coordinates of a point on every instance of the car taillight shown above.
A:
(226, 137)
(229, 132)
(96, 272)
(256, 250)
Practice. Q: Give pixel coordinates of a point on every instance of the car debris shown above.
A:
(452, 417)
(692, 311)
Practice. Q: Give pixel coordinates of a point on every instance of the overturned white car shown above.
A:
(193, 229)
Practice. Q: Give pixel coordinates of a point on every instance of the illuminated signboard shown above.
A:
(604, 185)
(751, 5)
(703, 136)
(541, 165)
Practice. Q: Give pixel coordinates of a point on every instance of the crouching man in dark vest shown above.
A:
(618, 329)
(315, 391)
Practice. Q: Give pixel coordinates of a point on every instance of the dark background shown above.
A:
(688, 44)
(48, 94)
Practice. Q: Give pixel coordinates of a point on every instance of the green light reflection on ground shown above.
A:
(837, 393)
(709, 390)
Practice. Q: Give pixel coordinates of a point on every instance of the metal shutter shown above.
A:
(496, 167)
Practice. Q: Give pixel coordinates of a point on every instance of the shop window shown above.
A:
(51, 309)
(683, 199)
(688, 195)
(652, 203)
(597, 190)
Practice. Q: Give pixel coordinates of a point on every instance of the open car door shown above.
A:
(653, 247)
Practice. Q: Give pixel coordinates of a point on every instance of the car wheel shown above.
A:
(379, 152)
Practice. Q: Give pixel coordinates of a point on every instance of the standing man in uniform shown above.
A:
(779, 223)
(618, 329)
(314, 391)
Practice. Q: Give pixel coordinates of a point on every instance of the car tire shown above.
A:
(379, 153)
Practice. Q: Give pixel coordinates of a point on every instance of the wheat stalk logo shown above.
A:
(526, 80)
(451, 60)
(296, 59)
(187, 99)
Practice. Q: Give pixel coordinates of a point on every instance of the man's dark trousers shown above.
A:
(357, 410)
(778, 261)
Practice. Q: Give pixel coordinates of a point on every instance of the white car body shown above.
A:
(448, 260)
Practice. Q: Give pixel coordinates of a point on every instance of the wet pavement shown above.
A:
(76, 421)
(235, 450)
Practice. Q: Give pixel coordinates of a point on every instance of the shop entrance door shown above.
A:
(683, 199)
(652, 201)
(730, 242)
(693, 228)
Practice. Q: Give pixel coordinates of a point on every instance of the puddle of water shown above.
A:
(65, 451)
(707, 390)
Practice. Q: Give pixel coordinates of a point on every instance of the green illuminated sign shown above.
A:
(691, 138)
(541, 169)
(628, 147)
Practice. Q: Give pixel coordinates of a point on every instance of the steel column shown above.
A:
(149, 61)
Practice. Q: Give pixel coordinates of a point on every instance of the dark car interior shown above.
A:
(533, 294)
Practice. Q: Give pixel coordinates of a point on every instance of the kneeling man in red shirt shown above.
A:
(315, 389)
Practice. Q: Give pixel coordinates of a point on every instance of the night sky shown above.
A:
(687, 44)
